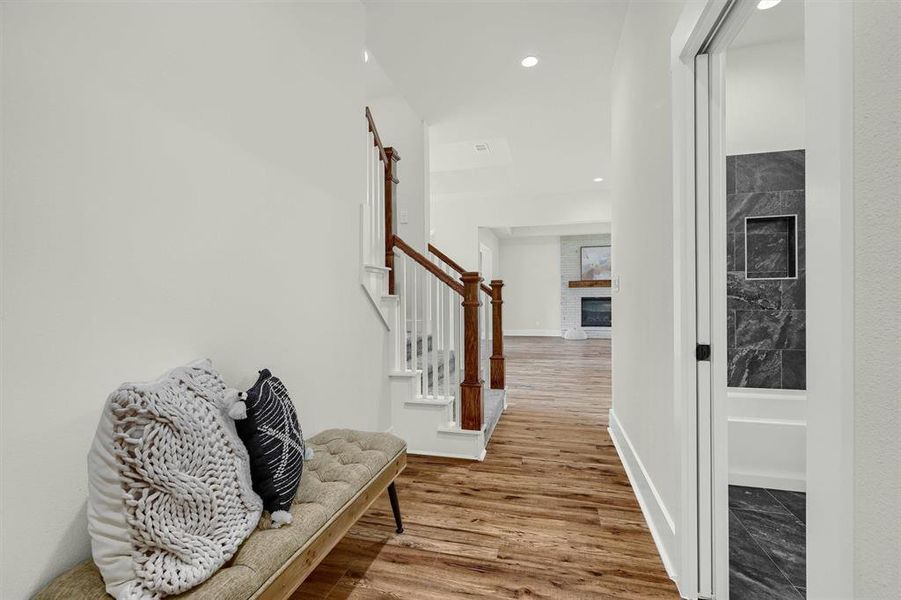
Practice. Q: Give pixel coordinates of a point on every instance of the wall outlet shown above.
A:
(404, 217)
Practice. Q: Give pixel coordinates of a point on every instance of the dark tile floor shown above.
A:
(767, 544)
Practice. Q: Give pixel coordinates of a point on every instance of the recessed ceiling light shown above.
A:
(365, 56)
(598, 179)
(765, 4)
(529, 61)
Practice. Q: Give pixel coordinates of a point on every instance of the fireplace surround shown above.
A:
(571, 297)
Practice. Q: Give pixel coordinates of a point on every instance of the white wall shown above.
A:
(400, 127)
(178, 182)
(487, 238)
(531, 273)
(877, 283)
(765, 98)
(644, 419)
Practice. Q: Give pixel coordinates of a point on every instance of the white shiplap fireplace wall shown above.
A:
(570, 270)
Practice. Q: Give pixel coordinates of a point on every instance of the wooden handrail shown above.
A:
(455, 266)
(375, 134)
(446, 259)
(427, 264)
(389, 158)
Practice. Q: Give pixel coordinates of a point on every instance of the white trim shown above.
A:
(656, 515)
(376, 268)
(480, 457)
(767, 480)
(533, 332)
(719, 360)
(695, 22)
(377, 305)
(829, 130)
(794, 219)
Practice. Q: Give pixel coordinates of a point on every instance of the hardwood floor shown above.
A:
(548, 514)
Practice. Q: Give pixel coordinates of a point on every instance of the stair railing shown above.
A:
(492, 332)
(444, 328)
(453, 335)
(379, 215)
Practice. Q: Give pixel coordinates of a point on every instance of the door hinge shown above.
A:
(702, 352)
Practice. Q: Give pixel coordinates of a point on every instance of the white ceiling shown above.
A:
(457, 64)
(781, 23)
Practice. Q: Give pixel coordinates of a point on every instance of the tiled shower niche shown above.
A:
(766, 279)
(771, 247)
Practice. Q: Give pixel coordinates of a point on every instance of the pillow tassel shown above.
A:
(234, 400)
(281, 517)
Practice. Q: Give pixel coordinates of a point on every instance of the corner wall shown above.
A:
(531, 272)
(180, 180)
(644, 422)
(877, 286)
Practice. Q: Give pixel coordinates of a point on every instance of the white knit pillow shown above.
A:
(170, 497)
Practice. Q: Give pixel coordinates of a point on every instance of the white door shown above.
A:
(712, 366)
(706, 551)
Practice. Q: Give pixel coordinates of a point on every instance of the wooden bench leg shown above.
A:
(392, 496)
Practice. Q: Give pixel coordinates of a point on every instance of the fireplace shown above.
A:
(596, 312)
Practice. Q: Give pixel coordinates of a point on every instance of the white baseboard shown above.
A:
(533, 332)
(656, 515)
(416, 452)
(767, 480)
(767, 438)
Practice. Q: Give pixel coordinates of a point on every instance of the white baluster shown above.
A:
(414, 294)
(445, 321)
(429, 336)
(461, 358)
(400, 261)
(381, 211)
(373, 209)
(436, 339)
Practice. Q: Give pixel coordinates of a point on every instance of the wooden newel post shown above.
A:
(471, 386)
(391, 181)
(498, 367)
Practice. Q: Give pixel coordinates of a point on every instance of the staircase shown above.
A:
(446, 374)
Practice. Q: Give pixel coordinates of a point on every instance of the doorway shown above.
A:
(751, 303)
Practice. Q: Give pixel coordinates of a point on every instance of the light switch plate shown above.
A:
(614, 285)
(404, 217)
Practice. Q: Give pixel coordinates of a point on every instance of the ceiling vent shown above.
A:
(482, 148)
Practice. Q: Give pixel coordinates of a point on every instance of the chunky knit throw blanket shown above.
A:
(185, 481)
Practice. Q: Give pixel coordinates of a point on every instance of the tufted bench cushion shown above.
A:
(344, 462)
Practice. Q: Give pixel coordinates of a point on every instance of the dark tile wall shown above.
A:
(766, 317)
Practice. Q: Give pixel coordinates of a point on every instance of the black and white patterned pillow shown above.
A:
(274, 442)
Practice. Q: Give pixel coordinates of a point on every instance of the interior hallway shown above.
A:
(548, 514)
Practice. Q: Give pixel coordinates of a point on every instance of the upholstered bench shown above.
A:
(348, 471)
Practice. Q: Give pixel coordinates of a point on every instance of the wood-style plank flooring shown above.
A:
(548, 514)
